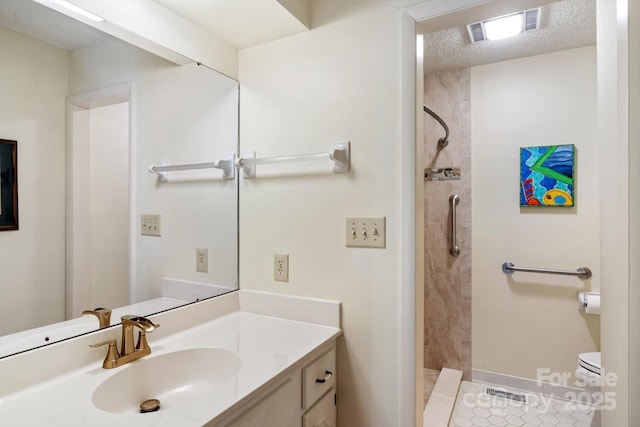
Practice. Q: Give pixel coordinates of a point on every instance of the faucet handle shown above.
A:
(142, 344)
(100, 344)
(103, 315)
(112, 354)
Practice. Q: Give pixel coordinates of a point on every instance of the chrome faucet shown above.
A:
(103, 315)
(128, 352)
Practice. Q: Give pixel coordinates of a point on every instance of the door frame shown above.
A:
(78, 293)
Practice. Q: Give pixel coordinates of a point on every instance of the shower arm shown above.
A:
(442, 142)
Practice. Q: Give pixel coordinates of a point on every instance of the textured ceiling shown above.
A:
(47, 25)
(564, 25)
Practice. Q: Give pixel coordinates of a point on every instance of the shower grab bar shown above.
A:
(227, 165)
(340, 154)
(442, 142)
(582, 272)
(453, 202)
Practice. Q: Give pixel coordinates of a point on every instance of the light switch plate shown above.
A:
(365, 232)
(150, 225)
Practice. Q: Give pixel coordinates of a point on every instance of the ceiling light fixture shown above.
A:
(504, 26)
(78, 10)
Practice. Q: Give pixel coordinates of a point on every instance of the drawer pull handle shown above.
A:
(327, 375)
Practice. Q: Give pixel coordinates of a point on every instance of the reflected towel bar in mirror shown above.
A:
(227, 165)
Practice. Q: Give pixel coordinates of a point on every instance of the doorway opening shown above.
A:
(100, 195)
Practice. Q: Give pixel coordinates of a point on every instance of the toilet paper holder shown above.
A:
(582, 299)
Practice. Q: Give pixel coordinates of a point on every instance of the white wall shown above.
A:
(345, 79)
(619, 295)
(109, 205)
(182, 114)
(526, 321)
(33, 84)
(418, 319)
(634, 211)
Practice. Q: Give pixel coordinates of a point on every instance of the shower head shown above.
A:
(442, 142)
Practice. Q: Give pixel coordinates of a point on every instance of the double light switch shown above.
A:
(363, 232)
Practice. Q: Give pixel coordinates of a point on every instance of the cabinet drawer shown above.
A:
(318, 377)
(323, 414)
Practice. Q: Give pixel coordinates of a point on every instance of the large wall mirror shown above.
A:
(91, 114)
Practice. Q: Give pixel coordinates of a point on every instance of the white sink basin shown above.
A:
(173, 378)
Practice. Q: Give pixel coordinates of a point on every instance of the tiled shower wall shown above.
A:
(447, 278)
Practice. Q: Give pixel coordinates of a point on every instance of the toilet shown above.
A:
(588, 373)
(589, 368)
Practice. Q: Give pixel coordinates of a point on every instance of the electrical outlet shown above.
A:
(365, 232)
(202, 260)
(281, 268)
(150, 225)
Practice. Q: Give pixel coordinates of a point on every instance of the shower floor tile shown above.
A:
(474, 407)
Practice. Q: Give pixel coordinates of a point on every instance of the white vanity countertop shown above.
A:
(36, 337)
(267, 346)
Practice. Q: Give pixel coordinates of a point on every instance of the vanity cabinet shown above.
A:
(323, 413)
(274, 409)
(304, 395)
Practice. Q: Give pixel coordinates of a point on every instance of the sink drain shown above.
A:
(149, 405)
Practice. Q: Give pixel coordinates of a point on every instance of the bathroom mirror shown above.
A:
(90, 114)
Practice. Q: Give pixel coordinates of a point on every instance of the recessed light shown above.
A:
(80, 11)
(504, 26)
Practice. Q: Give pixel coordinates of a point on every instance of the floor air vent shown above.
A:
(507, 395)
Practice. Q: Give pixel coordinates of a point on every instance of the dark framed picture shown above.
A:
(8, 185)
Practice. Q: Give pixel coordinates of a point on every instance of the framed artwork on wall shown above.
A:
(547, 176)
(8, 185)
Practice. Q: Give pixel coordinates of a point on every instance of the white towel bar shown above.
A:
(340, 154)
(227, 165)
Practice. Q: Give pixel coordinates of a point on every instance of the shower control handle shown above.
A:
(454, 250)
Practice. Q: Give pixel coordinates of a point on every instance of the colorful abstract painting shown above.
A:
(547, 175)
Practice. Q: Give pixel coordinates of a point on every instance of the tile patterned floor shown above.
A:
(474, 408)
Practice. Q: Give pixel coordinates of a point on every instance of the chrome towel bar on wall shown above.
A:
(454, 250)
(582, 272)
